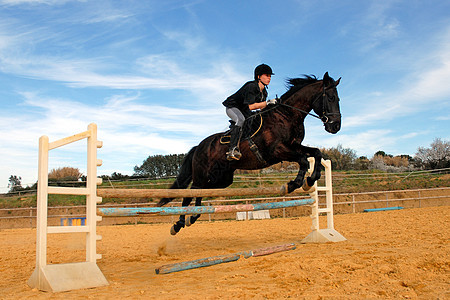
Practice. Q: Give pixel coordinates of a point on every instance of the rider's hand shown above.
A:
(272, 102)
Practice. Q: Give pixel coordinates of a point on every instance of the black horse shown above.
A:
(279, 139)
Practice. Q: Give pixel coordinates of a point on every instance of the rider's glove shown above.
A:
(272, 102)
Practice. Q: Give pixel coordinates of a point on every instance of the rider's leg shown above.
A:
(233, 151)
(236, 115)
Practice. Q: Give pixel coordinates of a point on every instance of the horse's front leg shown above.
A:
(182, 220)
(315, 175)
(298, 181)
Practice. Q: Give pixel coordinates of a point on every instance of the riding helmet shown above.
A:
(263, 69)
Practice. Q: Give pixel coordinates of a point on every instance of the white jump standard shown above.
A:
(70, 276)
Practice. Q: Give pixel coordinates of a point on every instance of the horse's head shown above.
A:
(326, 106)
(321, 96)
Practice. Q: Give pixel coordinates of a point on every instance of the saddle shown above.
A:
(251, 127)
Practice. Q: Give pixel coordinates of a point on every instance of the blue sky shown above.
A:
(153, 74)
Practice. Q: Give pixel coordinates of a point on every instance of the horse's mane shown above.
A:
(295, 84)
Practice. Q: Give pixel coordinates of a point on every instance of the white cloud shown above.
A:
(130, 129)
(427, 85)
(372, 28)
(154, 71)
(166, 75)
(367, 142)
(120, 111)
(105, 16)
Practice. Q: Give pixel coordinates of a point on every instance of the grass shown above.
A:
(343, 182)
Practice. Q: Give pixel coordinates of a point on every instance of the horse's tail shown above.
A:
(184, 177)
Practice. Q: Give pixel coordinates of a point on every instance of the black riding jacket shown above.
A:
(248, 94)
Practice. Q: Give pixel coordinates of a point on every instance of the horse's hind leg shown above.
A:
(182, 220)
(220, 177)
(191, 219)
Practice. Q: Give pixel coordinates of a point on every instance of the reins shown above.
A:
(286, 105)
(324, 118)
(325, 114)
(300, 110)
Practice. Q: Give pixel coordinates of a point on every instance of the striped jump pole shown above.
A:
(181, 193)
(215, 260)
(194, 210)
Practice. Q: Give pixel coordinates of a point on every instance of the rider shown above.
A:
(251, 96)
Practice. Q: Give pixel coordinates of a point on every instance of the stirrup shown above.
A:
(234, 154)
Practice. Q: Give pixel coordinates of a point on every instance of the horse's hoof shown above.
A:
(284, 189)
(305, 186)
(191, 220)
(173, 230)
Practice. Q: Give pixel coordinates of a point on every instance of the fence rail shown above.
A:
(134, 182)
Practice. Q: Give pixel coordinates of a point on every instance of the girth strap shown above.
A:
(255, 150)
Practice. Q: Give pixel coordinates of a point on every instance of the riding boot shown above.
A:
(233, 152)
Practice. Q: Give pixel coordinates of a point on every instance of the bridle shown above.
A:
(325, 115)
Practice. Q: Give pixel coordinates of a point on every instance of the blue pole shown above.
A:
(194, 210)
(214, 260)
(199, 263)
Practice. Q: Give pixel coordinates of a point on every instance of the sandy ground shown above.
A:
(400, 254)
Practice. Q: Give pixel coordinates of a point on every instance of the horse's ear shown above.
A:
(337, 81)
(326, 79)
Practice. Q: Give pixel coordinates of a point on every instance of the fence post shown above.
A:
(246, 213)
(209, 215)
(31, 217)
(353, 203)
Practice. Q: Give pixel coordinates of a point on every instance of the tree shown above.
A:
(380, 153)
(65, 176)
(435, 157)
(362, 163)
(341, 158)
(396, 161)
(15, 184)
(408, 157)
(119, 176)
(157, 166)
(377, 162)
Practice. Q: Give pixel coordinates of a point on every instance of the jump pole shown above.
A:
(181, 193)
(215, 260)
(194, 210)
